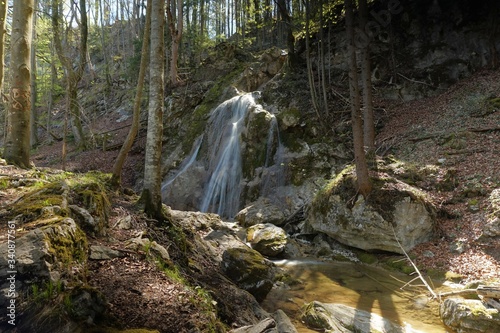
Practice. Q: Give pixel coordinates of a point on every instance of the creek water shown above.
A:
(360, 286)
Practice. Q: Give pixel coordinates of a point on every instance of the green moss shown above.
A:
(366, 258)
(399, 264)
(68, 247)
(342, 183)
(211, 99)
(32, 203)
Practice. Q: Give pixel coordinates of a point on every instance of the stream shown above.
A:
(360, 286)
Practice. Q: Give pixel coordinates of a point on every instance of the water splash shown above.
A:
(222, 194)
(186, 163)
(273, 173)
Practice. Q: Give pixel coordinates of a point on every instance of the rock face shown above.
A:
(46, 253)
(344, 319)
(394, 212)
(267, 239)
(469, 316)
(249, 270)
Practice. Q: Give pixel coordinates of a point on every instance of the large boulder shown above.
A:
(469, 316)
(345, 319)
(394, 215)
(267, 239)
(45, 253)
(260, 211)
(249, 270)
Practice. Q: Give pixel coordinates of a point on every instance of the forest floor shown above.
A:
(455, 130)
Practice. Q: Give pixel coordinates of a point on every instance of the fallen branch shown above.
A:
(459, 293)
(414, 267)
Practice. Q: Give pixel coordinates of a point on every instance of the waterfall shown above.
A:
(222, 194)
(185, 164)
(210, 178)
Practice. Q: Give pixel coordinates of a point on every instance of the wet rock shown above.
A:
(469, 316)
(249, 270)
(344, 319)
(267, 239)
(260, 211)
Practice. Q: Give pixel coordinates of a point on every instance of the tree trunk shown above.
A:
(290, 39)
(17, 146)
(73, 76)
(3, 32)
(33, 100)
(151, 194)
(363, 179)
(176, 34)
(127, 145)
(368, 122)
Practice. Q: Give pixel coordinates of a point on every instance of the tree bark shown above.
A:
(368, 122)
(17, 146)
(127, 145)
(73, 76)
(151, 194)
(33, 111)
(176, 35)
(363, 179)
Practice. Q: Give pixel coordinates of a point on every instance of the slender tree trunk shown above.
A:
(176, 34)
(310, 75)
(17, 146)
(33, 111)
(363, 179)
(368, 122)
(73, 76)
(151, 194)
(3, 32)
(127, 145)
(290, 39)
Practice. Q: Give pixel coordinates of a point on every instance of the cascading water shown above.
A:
(222, 194)
(273, 175)
(211, 178)
(185, 164)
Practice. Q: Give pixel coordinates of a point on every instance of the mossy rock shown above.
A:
(249, 270)
(32, 204)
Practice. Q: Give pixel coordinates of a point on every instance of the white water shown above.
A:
(273, 175)
(219, 187)
(222, 194)
(185, 164)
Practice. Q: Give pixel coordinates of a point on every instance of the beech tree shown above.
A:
(118, 165)
(73, 70)
(151, 193)
(363, 178)
(17, 146)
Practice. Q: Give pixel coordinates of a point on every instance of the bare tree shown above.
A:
(73, 73)
(368, 122)
(17, 146)
(363, 178)
(118, 166)
(176, 35)
(151, 193)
